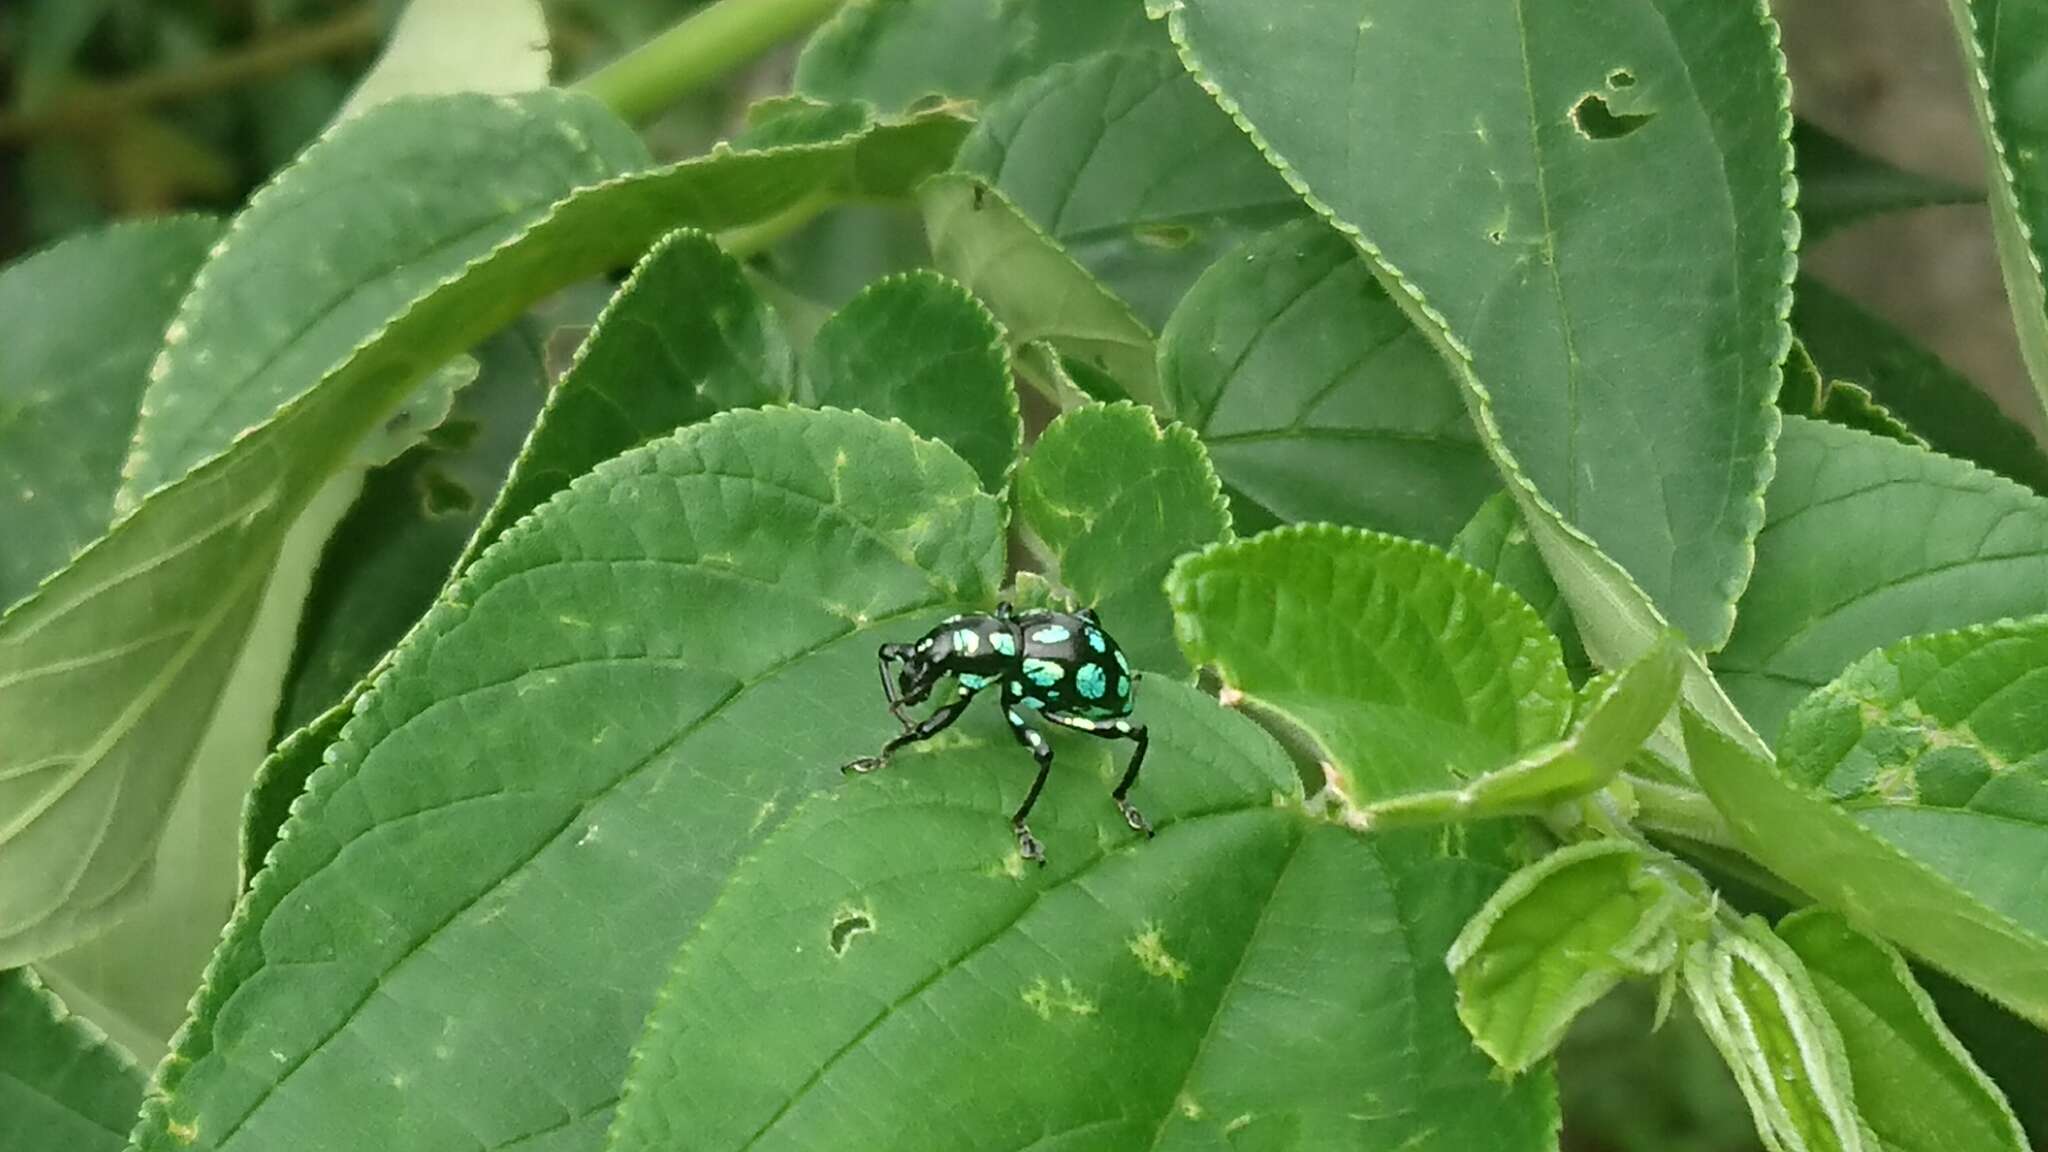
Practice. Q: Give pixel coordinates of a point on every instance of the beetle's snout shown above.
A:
(914, 681)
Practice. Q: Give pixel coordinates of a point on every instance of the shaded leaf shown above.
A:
(1116, 499)
(1493, 197)
(920, 349)
(1840, 184)
(622, 695)
(1039, 293)
(1938, 402)
(62, 1083)
(1556, 937)
(1413, 672)
(1124, 161)
(1498, 543)
(1317, 398)
(79, 324)
(1868, 541)
(1919, 1090)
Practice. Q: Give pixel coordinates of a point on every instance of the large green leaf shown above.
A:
(1917, 1087)
(1520, 172)
(2005, 43)
(920, 349)
(1032, 285)
(621, 696)
(1316, 397)
(1964, 904)
(62, 1084)
(1116, 499)
(1938, 402)
(173, 588)
(891, 53)
(880, 975)
(1413, 672)
(79, 324)
(1868, 541)
(1127, 163)
(1556, 937)
(1840, 184)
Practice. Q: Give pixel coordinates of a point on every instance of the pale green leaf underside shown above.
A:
(131, 644)
(1116, 499)
(1497, 542)
(79, 324)
(1554, 939)
(1034, 287)
(63, 1085)
(622, 695)
(919, 349)
(1481, 150)
(886, 974)
(1127, 163)
(1868, 541)
(438, 46)
(1917, 1087)
(1413, 672)
(1955, 907)
(1316, 396)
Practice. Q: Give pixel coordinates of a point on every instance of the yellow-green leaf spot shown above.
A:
(1149, 947)
(1047, 1001)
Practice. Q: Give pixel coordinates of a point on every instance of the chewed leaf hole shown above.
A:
(1164, 236)
(1596, 121)
(1621, 78)
(441, 495)
(847, 925)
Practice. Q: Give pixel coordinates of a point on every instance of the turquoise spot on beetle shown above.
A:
(1050, 634)
(1016, 689)
(966, 642)
(1123, 663)
(1095, 640)
(973, 682)
(1016, 719)
(1123, 687)
(1043, 673)
(1090, 680)
(1004, 643)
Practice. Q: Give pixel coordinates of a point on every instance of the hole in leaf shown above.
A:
(1596, 121)
(442, 496)
(848, 925)
(1166, 236)
(455, 435)
(1621, 78)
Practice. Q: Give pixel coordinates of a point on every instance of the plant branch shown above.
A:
(91, 108)
(704, 47)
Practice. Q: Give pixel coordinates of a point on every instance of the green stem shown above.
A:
(705, 47)
(1680, 811)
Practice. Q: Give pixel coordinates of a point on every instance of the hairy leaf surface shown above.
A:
(62, 1083)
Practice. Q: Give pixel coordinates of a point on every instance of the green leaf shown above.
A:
(1039, 293)
(1920, 1090)
(1938, 402)
(1413, 672)
(623, 695)
(1316, 396)
(2004, 42)
(1868, 541)
(79, 323)
(1481, 160)
(1125, 162)
(1752, 994)
(63, 1085)
(1556, 937)
(920, 349)
(174, 588)
(891, 53)
(1115, 499)
(323, 258)
(1965, 907)
(1618, 714)
(442, 46)
(1840, 184)
(877, 978)
(1498, 543)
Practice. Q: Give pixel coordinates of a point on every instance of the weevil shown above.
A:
(1063, 666)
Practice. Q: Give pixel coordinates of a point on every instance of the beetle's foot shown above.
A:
(1133, 817)
(862, 766)
(1028, 846)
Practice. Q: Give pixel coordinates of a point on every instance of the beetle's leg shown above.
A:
(1089, 615)
(1005, 612)
(1117, 730)
(923, 729)
(889, 654)
(1027, 844)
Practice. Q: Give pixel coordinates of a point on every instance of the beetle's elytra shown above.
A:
(1063, 666)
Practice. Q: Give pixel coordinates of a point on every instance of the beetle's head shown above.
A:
(915, 678)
